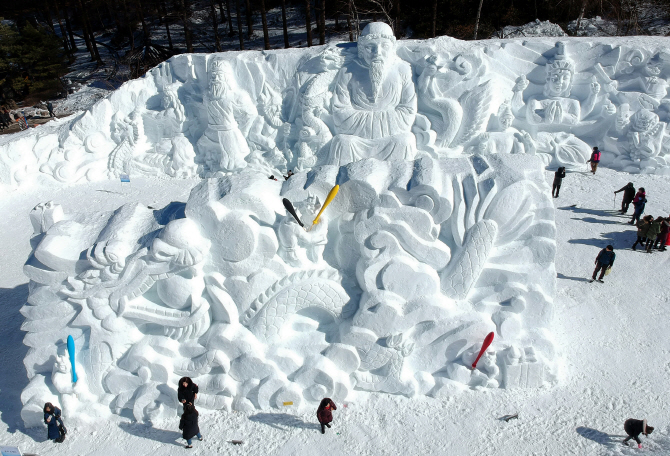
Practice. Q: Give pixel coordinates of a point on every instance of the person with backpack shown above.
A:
(594, 160)
(325, 413)
(558, 180)
(604, 261)
(188, 424)
(634, 428)
(55, 427)
(628, 195)
(653, 232)
(187, 391)
(642, 230)
(639, 202)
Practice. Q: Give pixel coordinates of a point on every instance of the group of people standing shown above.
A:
(652, 233)
(187, 393)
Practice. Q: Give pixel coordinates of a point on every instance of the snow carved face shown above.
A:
(644, 120)
(653, 67)
(559, 83)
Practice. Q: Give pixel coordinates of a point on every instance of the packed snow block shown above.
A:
(45, 215)
(521, 368)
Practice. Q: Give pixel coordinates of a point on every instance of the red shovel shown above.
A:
(485, 345)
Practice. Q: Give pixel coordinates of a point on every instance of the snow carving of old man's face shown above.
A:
(220, 78)
(376, 48)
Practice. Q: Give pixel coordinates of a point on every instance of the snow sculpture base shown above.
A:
(412, 264)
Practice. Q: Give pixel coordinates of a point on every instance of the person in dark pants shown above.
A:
(639, 202)
(187, 391)
(189, 425)
(50, 107)
(54, 422)
(663, 236)
(604, 261)
(325, 413)
(628, 195)
(642, 230)
(634, 428)
(558, 180)
(594, 160)
(652, 234)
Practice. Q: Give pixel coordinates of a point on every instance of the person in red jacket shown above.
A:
(325, 413)
(594, 160)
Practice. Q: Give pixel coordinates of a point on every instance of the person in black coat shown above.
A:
(628, 195)
(187, 391)
(189, 424)
(53, 421)
(634, 428)
(604, 261)
(558, 179)
(325, 413)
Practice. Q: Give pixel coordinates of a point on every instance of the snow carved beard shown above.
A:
(376, 71)
(217, 90)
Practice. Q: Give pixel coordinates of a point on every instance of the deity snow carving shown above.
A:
(268, 132)
(504, 138)
(374, 104)
(229, 111)
(645, 89)
(297, 245)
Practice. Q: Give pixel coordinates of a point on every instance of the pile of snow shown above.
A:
(594, 26)
(535, 28)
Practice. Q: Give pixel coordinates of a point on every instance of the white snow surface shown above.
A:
(612, 338)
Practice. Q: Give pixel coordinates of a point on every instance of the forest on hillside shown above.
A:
(42, 39)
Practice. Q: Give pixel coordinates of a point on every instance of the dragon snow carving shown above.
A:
(423, 258)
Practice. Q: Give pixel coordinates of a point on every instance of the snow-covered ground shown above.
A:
(612, 339)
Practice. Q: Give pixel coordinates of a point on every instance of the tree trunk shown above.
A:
(581, 16)
(166, 21)
(215, 25)
(73, 45)
(131, 32)
(230, 19)
(250, 22)
(322, 32)
(283, 20)
(185, 14)
(264, 20)
(222, 11)
(48, 18)
(145, 29)
(239, 24)
(351, 32)
(397, 18)
(62, 29)
(434, 26)
(308, 22)
(84, 29)
(479, 12)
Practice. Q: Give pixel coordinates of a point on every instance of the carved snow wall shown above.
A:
(277, 110)
(412, 264)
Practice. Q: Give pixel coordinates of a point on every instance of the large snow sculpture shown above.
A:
(412, 264)
(378, 98)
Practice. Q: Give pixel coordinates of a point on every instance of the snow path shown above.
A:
(612, 337)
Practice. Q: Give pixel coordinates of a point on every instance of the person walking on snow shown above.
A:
(53, 421)
(604, 261)
(639, 202)
(50, 107)
(634, 428)
(594, 160)
(663, 236)
(187, 391)
(558, 179)
(628, 195)
(642, 230)
(325, 413)
(189, 424)
(654, 231)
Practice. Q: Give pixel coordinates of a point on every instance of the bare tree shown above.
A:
(264, 20)
(308, 22)
(479, 12)
(230, 19)
(283, 20)
(434, 24)
(215, 25)
(250, 22)
(322, 31)
(239, 24)
(185, 15)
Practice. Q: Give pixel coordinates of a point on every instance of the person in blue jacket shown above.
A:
(604, 261)
(52, 419)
